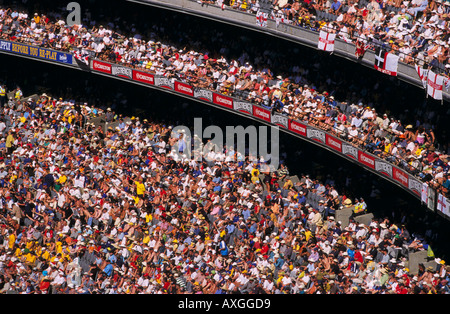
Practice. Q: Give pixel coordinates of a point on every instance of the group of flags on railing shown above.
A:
(434, 83)
(387, 62)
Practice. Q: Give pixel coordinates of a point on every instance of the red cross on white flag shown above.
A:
(326, 41)
(435, 84)
(261, 19)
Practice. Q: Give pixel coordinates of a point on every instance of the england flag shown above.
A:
(435, 83)
(261, 19)
(443, 205)
(386, 62)
(326, 41)
(423, 75)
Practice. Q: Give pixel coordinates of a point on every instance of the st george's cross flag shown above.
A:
(360, 48)
(443, 204)
(261, 19)
(326, 41)
(423, 75)
(386, 62)
(435, 83)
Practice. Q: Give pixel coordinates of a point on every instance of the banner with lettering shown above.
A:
(316, 135)
(101, 66)
(32, 51)
(280, 120)
(223, 100)
(143, 77)
(334, 143)
(261, 113)
(243, 106)
(184, 88)
(366, 159)
(297, 127)
(400, 176)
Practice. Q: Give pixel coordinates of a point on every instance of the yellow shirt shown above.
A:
(58, 247)
(12, 239)
(9, 140)
(62, 179)
(148, 217)
(307, 235)
(140, 188)
(46, 255)
(18, 252)
(31, 258)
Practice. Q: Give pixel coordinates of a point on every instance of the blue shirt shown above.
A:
(335, 5)
(108, 269)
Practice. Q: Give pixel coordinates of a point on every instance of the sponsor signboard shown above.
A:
(243, 106)
(163, 81)
(316, 135)
(383, 167)
(261, 113)
(366, 159)
(184, 88)
(280, 120)
(297, 127)
(32, 51)
(143, 77)
(333, 142)
(101, 66)
(415, 186)
(121, 71)
(222, 100)
(400, 176)
(203, 94)
(350, 151)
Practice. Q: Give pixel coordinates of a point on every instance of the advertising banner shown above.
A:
(297, 127)
(222, 100)
(383, 167)
(32, 51)
(350, 151)
(261, 113)
(316, 135)
(366, 159)
(143, 77)
(243, 106)
(184, 88)
(280, 120)
(163, 81)
(334, 143)
(121, 71)
(203, 94)
(400, 176)
(415, 186)
(101, 66)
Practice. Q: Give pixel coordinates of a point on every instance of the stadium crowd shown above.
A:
(91, 210)
(418, 31)
(411, 147)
